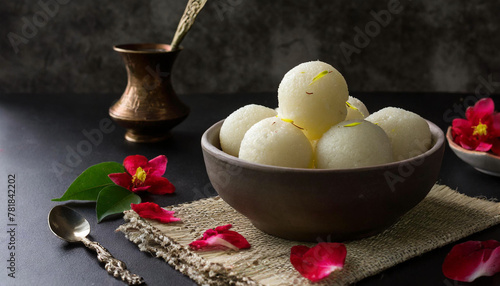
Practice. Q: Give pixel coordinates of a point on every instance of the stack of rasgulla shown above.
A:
(273, 141)
(409, 133)
(237, 124)
(314, 96)
(353, 144)
(356, 109)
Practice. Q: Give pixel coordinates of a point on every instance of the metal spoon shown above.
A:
(71, 226)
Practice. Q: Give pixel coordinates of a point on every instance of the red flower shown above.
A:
(154, 211)
(470, 260)
(319, 261)
(481, 130)
(220, 237)
(144, 175)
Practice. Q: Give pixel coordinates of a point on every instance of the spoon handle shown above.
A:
(115, 267)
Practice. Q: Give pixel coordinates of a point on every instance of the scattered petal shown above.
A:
(470, 260)
(154, 211)
(220, 237)
(318, 262)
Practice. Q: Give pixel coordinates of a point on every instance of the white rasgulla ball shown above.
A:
(273, 141)
(356, 109)
(237, 124)
(352, 144)
(313, 95)
(409, 133)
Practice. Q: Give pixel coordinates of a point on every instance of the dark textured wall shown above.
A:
(248, 45)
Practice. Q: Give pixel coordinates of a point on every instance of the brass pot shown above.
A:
(149, 108)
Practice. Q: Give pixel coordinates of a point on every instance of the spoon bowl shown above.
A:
(68, 224)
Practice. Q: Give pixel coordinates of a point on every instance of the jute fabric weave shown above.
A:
(442, 217)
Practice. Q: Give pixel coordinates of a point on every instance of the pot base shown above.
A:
(133, 136)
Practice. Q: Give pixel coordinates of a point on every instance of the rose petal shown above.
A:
(318, 262)
(495, 148)
(483, 147)
(131, 163)
(482, 108)
(154, 211)
(461, 126)
(495, 124)
(122, 179)
(469, 143)
(140, 189)
(220, 237)
(156, 166)
(159, 185)
(470, 260)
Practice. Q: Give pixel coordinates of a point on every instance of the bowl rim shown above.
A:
(460, 149)
(216, 152)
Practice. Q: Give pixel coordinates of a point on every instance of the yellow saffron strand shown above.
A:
(318, 76)
(352, 124)
(351, 106)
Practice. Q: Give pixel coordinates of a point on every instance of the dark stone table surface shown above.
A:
(39, 132)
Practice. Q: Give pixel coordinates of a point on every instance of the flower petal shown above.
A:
(121, 179)
(159, 185)
(483, 147)
(154, 211)
(157, 166)
(470, 260)
(232, 238)
(461, 126)
(318, 262)
(495, 124)
(140, 189)
(482, 108)
(469, 143)
(220, 237)
(495, 148)
(131, 163)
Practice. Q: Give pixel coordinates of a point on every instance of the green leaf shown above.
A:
(88, 185)
(114, 199)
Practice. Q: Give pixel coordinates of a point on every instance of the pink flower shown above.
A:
(220, 237)
(481, 130)
(470, 260)
(318, 262)
(154, 211)
(144, 175)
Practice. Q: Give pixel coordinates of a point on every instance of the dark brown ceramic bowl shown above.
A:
(320, 204)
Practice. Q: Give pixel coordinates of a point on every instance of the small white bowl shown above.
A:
(482, 161)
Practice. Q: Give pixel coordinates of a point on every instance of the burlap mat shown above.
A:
(442, 217)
